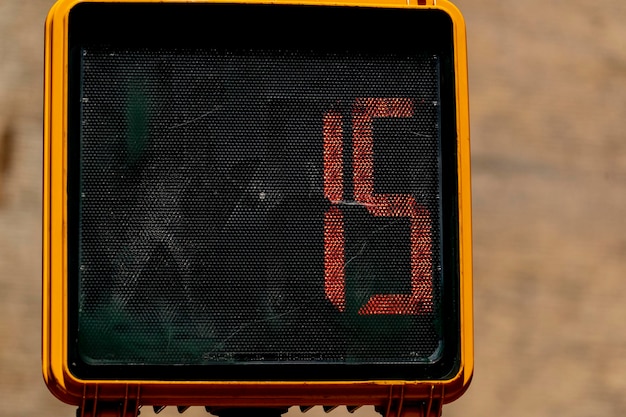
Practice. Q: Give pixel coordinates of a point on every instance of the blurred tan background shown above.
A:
(548, 108)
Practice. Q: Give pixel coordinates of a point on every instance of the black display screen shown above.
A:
(278, 202)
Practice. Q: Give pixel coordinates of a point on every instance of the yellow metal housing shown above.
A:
(73, 390)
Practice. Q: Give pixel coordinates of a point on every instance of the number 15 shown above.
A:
(364, 110)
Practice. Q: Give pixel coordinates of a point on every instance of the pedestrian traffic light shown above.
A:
(257, 204)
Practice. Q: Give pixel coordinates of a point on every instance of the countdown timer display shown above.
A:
(276, 199)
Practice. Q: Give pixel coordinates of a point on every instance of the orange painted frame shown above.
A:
(70, 389)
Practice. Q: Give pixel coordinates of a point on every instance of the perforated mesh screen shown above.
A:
(258, 206)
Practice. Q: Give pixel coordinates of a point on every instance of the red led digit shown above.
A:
(334, 240)
(334, 258)
(391, 205)
(379, 205)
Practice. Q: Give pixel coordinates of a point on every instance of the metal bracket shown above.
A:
(92, 406)
(398, 407)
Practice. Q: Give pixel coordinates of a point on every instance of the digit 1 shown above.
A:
(334, 240)
(391, 205)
